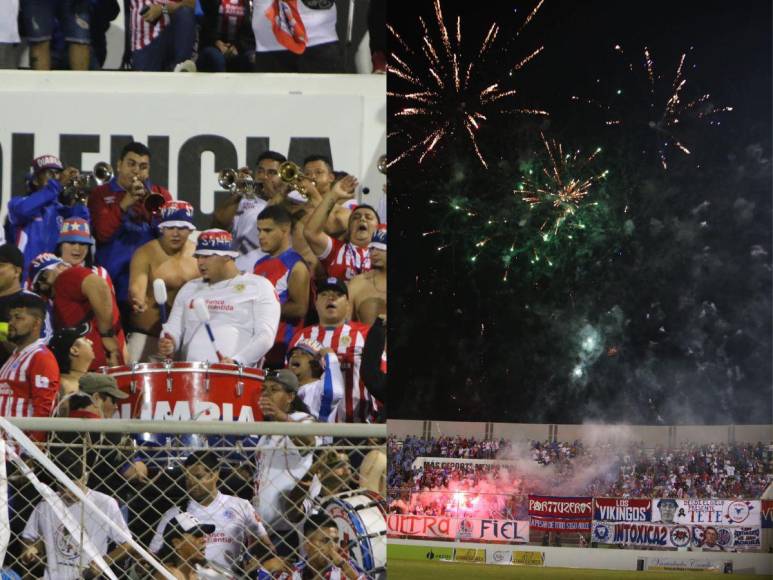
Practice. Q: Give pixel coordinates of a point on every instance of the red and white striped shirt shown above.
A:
(344, 260)
(346, 341)
(143, 33)
(29, 382)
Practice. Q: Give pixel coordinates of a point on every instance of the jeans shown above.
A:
(322, 58)
(173, 45)
(212, 60)
(37, 17)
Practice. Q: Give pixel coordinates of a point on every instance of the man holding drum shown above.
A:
(168, 258)
(241, 310)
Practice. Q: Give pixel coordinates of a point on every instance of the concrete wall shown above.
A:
(615, 559)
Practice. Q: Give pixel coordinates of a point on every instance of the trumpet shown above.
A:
(80, 187)
(291, 173)
(239, 182)
(153, 202)
(382, 164)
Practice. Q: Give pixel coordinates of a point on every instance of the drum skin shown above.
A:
(185, 391)
(361, 519)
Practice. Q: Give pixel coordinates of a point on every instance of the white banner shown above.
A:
(723, 512)
(462, 529)
(195, 125)
(707, 538)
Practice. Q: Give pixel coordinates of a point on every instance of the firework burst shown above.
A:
(660, 107)
(450, 97)
(566, 183)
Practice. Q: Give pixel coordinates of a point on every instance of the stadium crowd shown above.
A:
(570, 468)
(187, 35)
(292, 279)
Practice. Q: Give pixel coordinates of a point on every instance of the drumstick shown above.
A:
(200, 307)
(159, 293)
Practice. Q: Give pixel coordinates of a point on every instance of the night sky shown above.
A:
(651, 301)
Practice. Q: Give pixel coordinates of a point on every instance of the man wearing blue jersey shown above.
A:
(34, 219)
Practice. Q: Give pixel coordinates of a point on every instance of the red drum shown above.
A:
(186, 391)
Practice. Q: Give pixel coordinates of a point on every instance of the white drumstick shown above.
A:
(202, 313)
(159, 293)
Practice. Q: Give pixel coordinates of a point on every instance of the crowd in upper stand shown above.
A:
(188, 35)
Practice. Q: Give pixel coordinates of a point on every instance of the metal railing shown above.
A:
(112, 499)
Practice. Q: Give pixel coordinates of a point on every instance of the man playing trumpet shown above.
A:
(121, 212)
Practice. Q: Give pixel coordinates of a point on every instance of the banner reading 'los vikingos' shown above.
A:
(560, 514)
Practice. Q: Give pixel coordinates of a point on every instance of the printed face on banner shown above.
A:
(707, 538)
(706, 512)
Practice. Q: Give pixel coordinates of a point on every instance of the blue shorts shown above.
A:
(37, 18)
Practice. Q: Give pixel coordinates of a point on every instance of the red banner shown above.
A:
(560, 514)
(611, 509)
(767, 513)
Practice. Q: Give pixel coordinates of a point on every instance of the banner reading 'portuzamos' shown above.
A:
(560, 514)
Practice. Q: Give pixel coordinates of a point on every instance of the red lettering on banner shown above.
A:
(419, 525)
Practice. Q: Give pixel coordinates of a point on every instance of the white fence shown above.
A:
(109, 497)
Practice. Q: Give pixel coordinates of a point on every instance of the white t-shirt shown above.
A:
(324, 395)
(244, 228)
(9, 28)
(280, 465)
(320, 25)
(63, 553)
(246, 262)
(244, 316)
(234, 519)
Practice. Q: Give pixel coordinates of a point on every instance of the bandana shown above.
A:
(215, 243)
(287, 25)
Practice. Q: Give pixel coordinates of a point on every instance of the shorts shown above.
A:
(37, 17)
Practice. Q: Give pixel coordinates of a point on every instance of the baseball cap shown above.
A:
(284, 377)
(186, 523)
(308, 346)
(215, 243)
(379, 240)
(177, 214)
(93, 383)
(40, 264)
(46, 162)
(10, 254)
(333, 284)
(76, 231)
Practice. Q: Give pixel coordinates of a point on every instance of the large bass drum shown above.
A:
(361, 519)
(188, 391)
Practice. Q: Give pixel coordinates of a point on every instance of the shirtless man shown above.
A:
(368, 291)
(170, 258)
(320, 169)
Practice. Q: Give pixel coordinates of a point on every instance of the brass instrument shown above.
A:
(82, 184)
(382, 164)
(239, 182)
(154, 201)
(291, 173)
